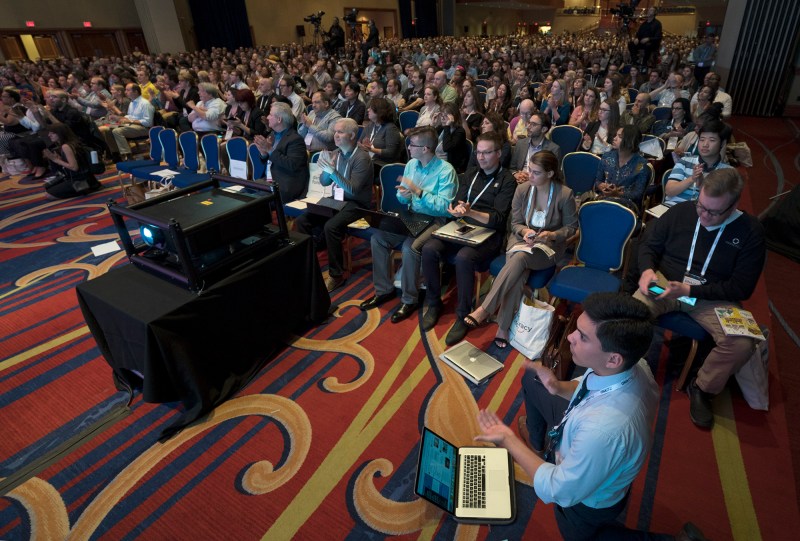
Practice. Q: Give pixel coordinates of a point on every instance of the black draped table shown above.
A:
(200, 348)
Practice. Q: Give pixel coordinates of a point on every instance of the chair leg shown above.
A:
(681, 383)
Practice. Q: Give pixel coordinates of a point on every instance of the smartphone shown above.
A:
(464, 229)
(655, 289)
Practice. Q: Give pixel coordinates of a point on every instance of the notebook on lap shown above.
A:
(463, 233)
(474, 484)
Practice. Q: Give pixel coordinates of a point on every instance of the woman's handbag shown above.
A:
(531, 326)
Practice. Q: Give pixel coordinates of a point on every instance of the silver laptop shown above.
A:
(474, 484)
(463, 233)
(472, 363)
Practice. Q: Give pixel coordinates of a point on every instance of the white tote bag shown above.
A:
(531, 327)
(753, 376)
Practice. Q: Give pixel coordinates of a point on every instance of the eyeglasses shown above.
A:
(415, 145)
(713, 213)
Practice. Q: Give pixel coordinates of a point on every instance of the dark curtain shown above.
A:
(221, 23)
(427, 22)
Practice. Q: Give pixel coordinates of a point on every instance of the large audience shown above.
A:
(478, 148)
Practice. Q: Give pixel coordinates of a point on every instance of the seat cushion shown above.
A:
(129, 166)
(188, 179)
(575, 283)
(681, 323)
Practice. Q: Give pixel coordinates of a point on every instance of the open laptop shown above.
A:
(463, 233)
(403, 223)
(325, 206)
(474, 484)
(472, 363)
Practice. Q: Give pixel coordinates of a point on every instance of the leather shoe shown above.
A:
(431, 316)
(404, 312)
(375, 301)
(700, 409)
(334, 282)
(457, 332)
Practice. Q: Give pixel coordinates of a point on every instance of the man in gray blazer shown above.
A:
(538, 126)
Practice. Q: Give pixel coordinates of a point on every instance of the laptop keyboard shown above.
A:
(416, 227)
(474, 479)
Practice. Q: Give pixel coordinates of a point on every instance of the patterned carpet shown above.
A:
(322, 443)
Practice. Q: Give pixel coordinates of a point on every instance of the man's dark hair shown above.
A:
(624, 325)
(494, 137)
(355, 87)
(336, 85)
(544, 120)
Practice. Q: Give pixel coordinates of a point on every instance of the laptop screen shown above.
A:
(436, 473)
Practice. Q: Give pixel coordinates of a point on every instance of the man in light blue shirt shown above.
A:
(427, 187)
(135, 123)
(601, 438)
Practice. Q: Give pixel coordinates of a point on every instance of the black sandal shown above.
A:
(471, 322)
(501, 343)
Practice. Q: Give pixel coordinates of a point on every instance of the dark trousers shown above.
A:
(467, 259)
(29, 147)
(331, 232)
(543, 409)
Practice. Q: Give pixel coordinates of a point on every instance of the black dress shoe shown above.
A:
(700, 409)
(404, 312)
(457, 332)
(375, 301)
(431, 316)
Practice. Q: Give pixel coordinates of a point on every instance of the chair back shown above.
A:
(632, 93)
(567, 137)
(661, 143)
(189, 144)
(408, 119)
(664, 179)
(481, 82)
(210, 146)
(257, 167)
(388, 175)
(605, 228)
(156, 150)
(580, 170)
(236, 147)
(314, 158)
(169, 143)
(662, 113)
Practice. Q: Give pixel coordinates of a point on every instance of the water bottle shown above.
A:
(93, 157)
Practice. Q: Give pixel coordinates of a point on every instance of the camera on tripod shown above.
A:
(350, 17)
(315, 18)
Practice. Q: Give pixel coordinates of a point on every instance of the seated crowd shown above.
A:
(478, 150)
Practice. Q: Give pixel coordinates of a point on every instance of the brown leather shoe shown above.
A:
(334, 282)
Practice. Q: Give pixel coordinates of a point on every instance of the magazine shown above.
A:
(738, 322)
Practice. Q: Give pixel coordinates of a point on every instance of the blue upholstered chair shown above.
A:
(257, 167)
(408, 119)
(567, 137)
(580, 170)
(210, 145)
(605, 228)
(236, 147)
(681, 324)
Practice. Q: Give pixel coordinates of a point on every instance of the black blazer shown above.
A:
(290, 166)
(454, 143)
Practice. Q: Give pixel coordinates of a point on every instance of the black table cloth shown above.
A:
(200, 348)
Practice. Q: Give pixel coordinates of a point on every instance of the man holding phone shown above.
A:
(705, 254)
